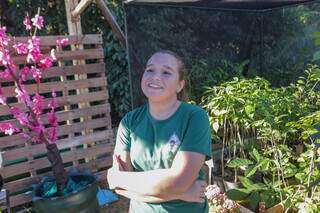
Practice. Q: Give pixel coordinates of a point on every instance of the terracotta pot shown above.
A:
(276, 209)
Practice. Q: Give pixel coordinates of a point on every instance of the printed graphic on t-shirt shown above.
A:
(173, 144)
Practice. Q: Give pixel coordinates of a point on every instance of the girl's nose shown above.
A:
(156, 75)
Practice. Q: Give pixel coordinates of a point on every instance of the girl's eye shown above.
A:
(149, 70)
(167, 73)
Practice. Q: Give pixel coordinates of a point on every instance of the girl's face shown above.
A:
(160, 80)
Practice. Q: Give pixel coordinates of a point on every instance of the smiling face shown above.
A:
(161, 79)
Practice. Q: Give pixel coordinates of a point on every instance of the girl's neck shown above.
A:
(162, 111)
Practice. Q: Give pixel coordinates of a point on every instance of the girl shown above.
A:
(161, 146)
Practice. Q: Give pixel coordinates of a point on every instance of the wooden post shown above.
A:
(111, 20)
(74, 28)
(80, 8)
(74, 24)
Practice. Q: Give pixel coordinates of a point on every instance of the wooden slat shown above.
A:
(68, 55)
(73, 39)
(71, 114)
(48, 87)
(63, 100)
(62, 116)
(64, 143)
(56, 71)
(64, 129)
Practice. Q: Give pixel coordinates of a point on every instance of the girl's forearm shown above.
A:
(145, 198)
(160, 183)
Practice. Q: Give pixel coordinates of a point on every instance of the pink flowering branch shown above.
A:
(31, 125)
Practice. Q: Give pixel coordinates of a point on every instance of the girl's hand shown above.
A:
(112, 177)
(195, 193)
(118, 162)
(118, 165)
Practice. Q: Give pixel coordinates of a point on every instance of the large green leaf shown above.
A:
(246, 182)
(254, 200)
(250, 171)
(255, 155)
(238, 162)
(238, 194)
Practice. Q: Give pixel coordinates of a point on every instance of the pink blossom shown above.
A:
(5, 58)
(25, 71)
(46, 62)
(2, 98)
(8, 128)
(27, 22)
(6, 74)
(4, 39)
(20, 116)
(37, 21)
(53, 54)
(34, 55)
(53, 102)
(23, 96)
(21, 48)
(35, 41)
(36, 73)
(62, 42)
(34, 50)
(52, 118)
(52, 134)
(38, 101)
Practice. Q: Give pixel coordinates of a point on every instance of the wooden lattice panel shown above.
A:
(85, 134)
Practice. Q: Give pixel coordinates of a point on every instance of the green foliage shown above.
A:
(260, 127)
(116, 57)
(202, 75)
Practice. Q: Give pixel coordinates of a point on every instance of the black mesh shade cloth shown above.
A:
(230, 4)
(272, 39)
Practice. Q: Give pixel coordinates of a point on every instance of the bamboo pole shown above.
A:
(111, 21)
(80, 8)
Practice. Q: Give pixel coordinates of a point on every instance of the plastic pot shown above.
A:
(82, 201)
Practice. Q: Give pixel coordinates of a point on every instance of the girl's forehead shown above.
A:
(163, 59)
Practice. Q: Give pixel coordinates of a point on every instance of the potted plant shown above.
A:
(34, 129)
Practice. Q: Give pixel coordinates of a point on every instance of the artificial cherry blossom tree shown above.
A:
(30, 124)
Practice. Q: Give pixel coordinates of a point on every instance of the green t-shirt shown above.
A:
(153, 144)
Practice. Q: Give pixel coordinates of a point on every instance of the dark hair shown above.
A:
(182, 95)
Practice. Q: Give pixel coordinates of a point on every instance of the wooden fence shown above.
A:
(86, 138)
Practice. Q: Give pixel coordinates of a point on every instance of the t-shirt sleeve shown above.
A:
(197, 137)
(123, 141)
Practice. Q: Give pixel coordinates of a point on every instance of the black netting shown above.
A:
(276, 43)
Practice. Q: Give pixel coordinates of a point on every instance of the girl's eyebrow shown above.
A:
(168, 67)
(165, 66)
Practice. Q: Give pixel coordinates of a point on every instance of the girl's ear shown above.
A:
(181, 85)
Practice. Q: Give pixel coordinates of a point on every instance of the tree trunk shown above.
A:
(57, 166)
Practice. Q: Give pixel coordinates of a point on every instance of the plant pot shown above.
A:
(229, 185)
(276, 209)
(245, 210)
(82, 201)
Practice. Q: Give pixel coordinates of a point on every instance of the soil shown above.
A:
(120, 206)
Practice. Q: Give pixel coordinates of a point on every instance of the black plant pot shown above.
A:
(83, 201)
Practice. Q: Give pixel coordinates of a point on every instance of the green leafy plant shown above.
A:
(260, 127)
